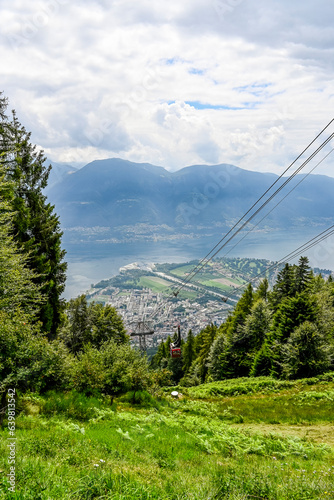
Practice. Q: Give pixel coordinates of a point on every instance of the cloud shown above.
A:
(240, 81)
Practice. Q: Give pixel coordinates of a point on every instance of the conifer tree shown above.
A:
(160, 355)
(188, 351)
(215, 357)
(303, 275)
(307, 353)
(262, 291)
(291, 313)
(17, 289)
(36, 227)
(91, 324)
(284, 286)
(250, 337)
(204, 341)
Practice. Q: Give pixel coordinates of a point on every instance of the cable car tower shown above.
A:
(144, 326)
(141, 329)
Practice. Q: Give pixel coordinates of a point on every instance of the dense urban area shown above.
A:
(145, 291)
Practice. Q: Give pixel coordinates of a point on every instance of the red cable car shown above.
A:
(176, 352)
(175, 347)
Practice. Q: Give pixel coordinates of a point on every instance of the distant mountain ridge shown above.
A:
(124, 197)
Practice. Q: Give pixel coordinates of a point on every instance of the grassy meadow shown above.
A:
(237, 439)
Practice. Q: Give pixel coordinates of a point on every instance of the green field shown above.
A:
(182, 270)
(237, 439)
(154, 283)
(215, 284)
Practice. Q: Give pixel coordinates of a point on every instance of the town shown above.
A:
(143, 295)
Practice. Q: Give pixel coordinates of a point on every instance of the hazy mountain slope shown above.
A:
(115, 193)
(58, 172)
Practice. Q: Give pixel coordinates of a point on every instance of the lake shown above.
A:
(88, 264)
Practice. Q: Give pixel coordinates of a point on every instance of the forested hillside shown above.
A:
(286, 332)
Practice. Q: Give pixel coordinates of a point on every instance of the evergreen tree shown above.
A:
(17, 287)
(249, 338)
(204, 341)
(242, 309)
(284, 286)
(229, 357)
(91, 324)
(174, 365)
(215, 366)
(27, 360)
(303, 275)
(307, 353)
(263, 363)
(262, 291)
(76, 325)
(291, 313)
(36, 227)
(160, 355)
(188, 351)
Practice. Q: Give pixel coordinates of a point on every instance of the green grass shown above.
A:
(214, 284)
(154, 283)
(187, 294)
(182, 270)
(199, 447)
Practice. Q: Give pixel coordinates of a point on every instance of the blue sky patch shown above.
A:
(201, 105)
(196, 71)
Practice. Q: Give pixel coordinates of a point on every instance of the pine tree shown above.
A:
(262, 291)
(291, 313)
(250, 337)
(17, 288)
(303, 275)
(307, 353)
(230, 356)
(215, 357)
(284, 286)
(188, 352)
(36, 227)
(204, 341)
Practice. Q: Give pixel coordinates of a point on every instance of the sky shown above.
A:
(173, 83)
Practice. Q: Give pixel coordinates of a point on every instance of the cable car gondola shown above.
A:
(175, 347)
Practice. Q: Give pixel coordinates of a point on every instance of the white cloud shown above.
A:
(98, 78)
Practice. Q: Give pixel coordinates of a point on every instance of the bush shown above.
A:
(142, 398)
(113, 370)
(28, 360)
(72, 404)
(87, 372)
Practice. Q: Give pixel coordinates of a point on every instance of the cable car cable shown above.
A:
(200, 266)
(306, 246)
(291, 164)
(258, 223)
(197, 268)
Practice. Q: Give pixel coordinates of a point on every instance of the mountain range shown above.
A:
(113, 199)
